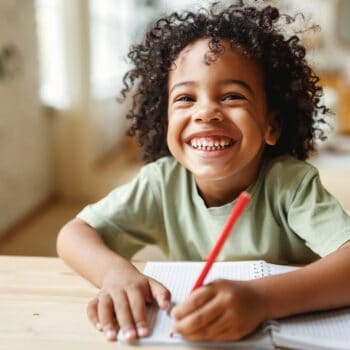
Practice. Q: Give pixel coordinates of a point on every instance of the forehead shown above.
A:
(192, 64)
(197, 50)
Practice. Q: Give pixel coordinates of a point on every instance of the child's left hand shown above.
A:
(220, 311)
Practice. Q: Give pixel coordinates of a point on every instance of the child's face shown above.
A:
(218, 120)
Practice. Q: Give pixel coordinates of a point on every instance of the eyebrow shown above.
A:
(238, 82)
(180, 84)
(223, 82)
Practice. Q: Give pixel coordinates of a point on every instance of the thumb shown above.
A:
(160, 293)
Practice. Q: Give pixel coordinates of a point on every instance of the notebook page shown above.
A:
(321, 330)
(179, 278)
(274, 269)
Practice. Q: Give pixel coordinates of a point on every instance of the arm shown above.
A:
(124, 290)
(324, 284)
(83, 249)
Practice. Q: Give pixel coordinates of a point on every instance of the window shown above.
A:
(52, 69)
(110, 37)
(111, 26)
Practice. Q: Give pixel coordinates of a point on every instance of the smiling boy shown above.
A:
(223, 103)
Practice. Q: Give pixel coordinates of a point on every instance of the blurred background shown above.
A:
(62, 133)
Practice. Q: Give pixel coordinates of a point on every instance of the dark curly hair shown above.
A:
(291, 85)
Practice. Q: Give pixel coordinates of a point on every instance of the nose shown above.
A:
(207, 112)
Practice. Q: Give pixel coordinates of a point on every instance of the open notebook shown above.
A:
(323, 330)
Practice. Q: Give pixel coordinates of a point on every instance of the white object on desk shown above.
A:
(323, 330)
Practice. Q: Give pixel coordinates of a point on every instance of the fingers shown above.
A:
(195, 301)
(197, 315)
(160, 293)
(124, 315)
(217, 330)
(218, 311)
(93, 314)
(125, 309)
(130, 306)
(105, 310)
(139, 312)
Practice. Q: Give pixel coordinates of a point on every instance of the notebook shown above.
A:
(322, 330)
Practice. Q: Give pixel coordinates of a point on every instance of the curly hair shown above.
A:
(291, 85)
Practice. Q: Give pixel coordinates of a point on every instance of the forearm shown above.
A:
(324, 284)
(83, 249)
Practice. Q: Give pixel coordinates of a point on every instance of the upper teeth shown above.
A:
(206, 142)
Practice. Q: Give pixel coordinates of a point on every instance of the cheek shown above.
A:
(251, 128)
(177, 121)
(173, 132)
(248, 117)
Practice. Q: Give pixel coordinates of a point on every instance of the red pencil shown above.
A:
(236, 212)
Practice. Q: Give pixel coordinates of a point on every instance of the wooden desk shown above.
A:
(42, 307)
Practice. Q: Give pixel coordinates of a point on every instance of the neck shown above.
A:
(218, 192)
(216, 196)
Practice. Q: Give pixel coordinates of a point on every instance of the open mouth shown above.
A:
(216, 143)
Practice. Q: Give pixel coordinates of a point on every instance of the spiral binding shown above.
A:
(261, 269)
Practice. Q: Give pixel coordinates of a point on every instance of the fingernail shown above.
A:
(98, 326)
(110, 334)
(142, 331)
(129, 334)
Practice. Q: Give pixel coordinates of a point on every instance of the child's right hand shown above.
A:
(121, 303)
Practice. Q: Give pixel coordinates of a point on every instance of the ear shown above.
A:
(273, 132)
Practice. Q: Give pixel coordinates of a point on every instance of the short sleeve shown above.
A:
(128, 218)
(317, 217)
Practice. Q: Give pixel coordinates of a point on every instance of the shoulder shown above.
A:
(286, 180)
(287, 176)
(287, 170)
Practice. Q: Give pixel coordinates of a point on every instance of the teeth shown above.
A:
(209, 144)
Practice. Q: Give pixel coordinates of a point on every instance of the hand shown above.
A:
(121, 303)
(220, 311)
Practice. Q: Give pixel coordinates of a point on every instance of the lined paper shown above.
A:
(179, 278)
(321, 330)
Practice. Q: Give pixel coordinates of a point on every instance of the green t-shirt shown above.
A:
(291, 218)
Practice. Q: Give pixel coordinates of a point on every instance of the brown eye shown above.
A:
(184, 99)
(231, 97)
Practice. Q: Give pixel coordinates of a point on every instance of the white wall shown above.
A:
(25, 179)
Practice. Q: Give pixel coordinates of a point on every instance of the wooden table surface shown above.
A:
(42, 306)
